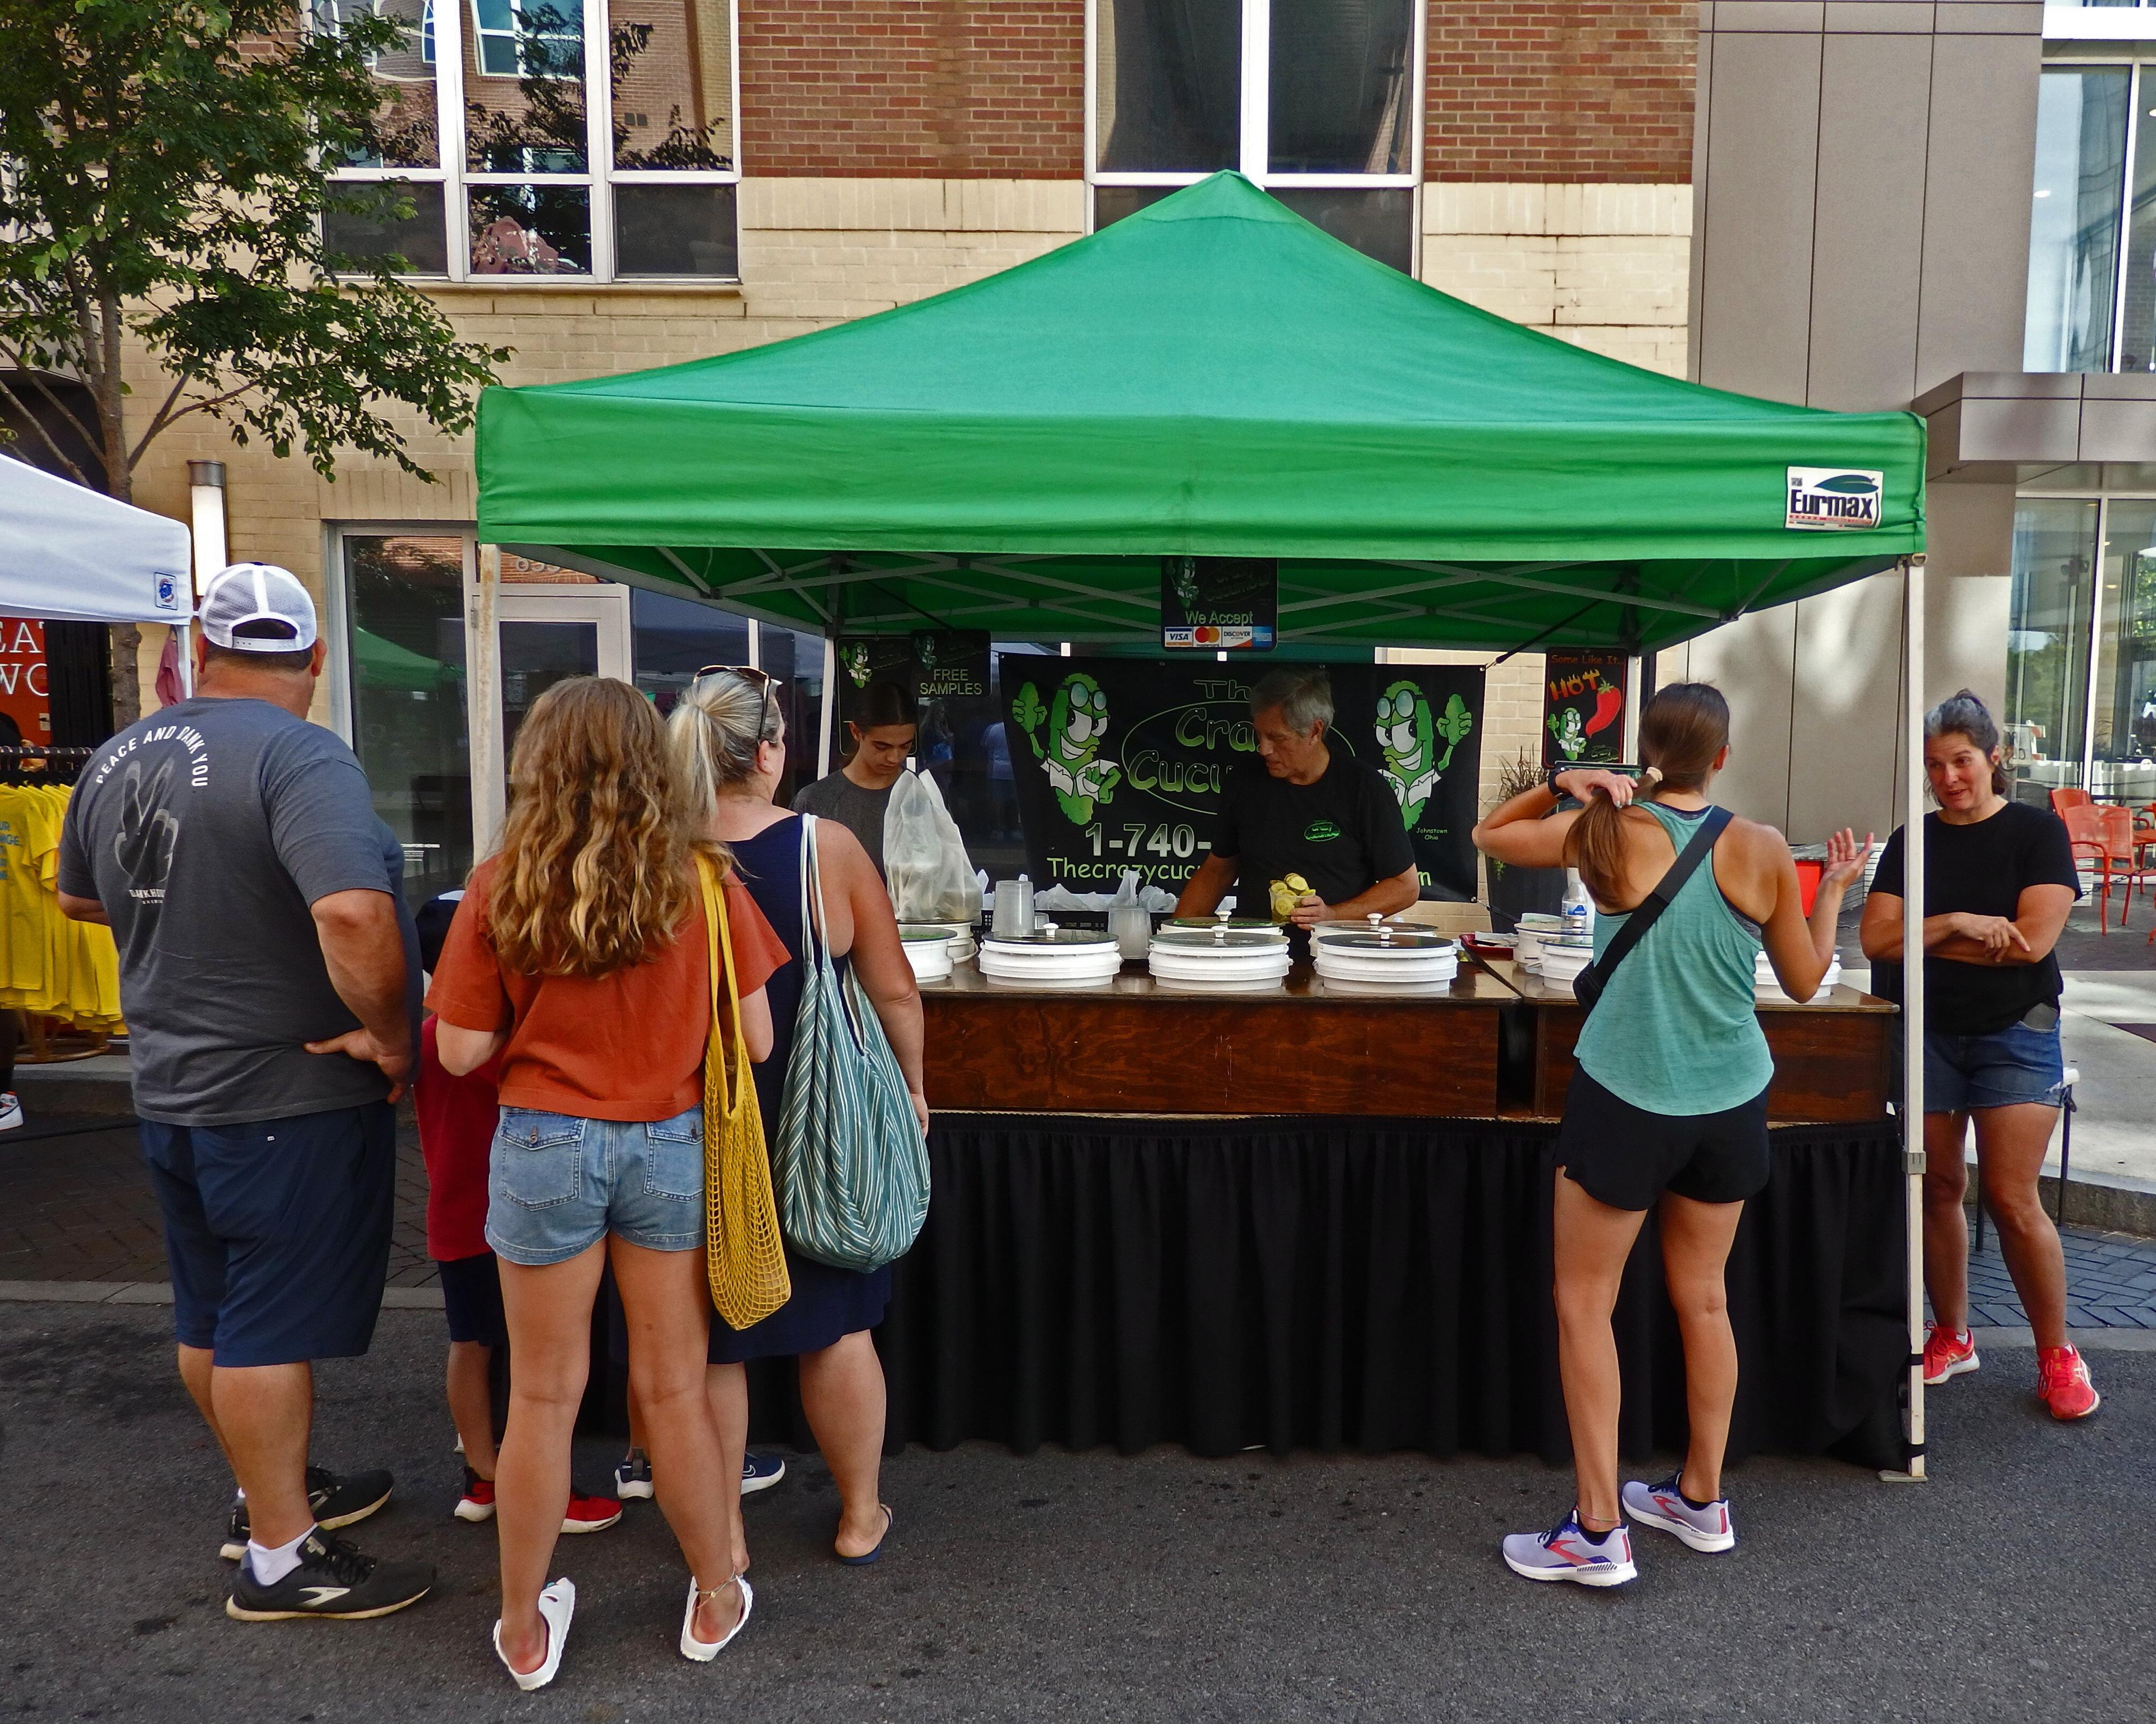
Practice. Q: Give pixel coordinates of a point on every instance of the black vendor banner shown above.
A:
(932, 664)
(1120, 762)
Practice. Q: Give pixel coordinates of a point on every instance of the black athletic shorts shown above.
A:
(471, 1299)
(1627, 1158)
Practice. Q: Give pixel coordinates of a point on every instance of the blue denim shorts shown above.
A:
(2007, 1067)
(558, 1184)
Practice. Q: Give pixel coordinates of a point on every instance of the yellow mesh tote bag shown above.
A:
(746, 1259)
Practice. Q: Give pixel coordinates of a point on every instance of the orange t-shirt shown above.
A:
(625, 1046)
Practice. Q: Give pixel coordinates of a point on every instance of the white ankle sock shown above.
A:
(271, 1566)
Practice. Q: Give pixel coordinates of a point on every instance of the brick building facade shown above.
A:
(889, 148)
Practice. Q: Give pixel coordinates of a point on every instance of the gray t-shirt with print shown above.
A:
(207, 831)
(859, 811)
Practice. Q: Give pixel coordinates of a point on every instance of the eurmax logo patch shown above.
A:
(1832, 499)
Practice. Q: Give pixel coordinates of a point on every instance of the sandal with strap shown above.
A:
(704, 1651)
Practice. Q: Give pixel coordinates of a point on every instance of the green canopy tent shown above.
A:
(1213, 376)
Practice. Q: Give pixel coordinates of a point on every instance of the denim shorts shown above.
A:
(2009, 1066)
(558, 1184)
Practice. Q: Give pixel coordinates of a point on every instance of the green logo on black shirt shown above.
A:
(1320, 832)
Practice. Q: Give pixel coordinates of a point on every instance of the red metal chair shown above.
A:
(2103, 835)
(2062, 800)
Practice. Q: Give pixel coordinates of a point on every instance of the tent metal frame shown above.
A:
(826, 572)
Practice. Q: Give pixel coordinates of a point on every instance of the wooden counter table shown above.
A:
(1832, 1054)
(1134, 1046)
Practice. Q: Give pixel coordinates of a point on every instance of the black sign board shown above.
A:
(1219, 603)
(1121, 762)
(930, 664)
(1583, 708)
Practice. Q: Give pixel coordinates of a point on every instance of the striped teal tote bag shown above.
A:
(851, 1161)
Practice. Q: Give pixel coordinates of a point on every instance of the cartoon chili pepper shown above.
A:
(1608, 702)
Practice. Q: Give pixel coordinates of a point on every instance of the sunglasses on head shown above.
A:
(757, 678)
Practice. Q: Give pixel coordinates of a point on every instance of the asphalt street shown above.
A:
(1088, 1586)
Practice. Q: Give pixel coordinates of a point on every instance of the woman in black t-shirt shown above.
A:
(1999, 879)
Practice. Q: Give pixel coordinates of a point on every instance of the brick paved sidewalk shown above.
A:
(79, 1208)
(2111, 1283)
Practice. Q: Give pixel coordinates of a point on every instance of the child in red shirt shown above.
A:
(457, 1120)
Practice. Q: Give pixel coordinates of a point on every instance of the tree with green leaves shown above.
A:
(164, 168)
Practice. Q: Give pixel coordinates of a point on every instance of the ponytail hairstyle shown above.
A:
(1964, 714)
(1682, 731)
(714, 731)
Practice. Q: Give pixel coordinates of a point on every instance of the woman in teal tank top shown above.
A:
(1668, 1109)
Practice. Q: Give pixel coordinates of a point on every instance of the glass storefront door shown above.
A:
(2124, 736)
(547, 636)
(404, 647)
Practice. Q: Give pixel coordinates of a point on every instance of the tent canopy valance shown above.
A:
(72, 555)
(1212, 376)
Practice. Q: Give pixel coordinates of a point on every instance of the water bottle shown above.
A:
(1578, 906)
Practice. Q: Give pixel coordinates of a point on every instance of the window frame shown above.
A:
(1254, 134)
(2100, 615)
(599, 178)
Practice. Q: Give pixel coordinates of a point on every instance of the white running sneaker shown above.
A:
(1568, 1551)
(1664, 1505)
(11, 1110)
(631, 1476)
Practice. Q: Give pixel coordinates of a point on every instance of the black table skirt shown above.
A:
(1351, 1284)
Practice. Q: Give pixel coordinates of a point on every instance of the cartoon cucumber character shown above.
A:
(1570, 733)
(1408, 734)
(1077, 722)
(856, 661)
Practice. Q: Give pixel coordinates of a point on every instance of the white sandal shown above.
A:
(558, 1604)
(704, 1651)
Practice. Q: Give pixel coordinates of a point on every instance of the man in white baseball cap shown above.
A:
(269, 972)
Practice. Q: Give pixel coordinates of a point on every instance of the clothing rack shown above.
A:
(52, 765)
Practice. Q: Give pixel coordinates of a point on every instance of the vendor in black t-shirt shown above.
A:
(1998, 880)
(1305, 834)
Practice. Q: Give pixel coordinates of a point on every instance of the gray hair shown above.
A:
(714, 729)
(1304, 697)
(1964, 714)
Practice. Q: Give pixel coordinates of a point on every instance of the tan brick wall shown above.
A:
(1603, 266)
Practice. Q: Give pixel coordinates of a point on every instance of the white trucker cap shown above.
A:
(257, 607)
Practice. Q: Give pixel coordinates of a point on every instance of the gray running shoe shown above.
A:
(1663, 1506)
(1567, 1552)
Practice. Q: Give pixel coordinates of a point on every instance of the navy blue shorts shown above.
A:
(277, 1231)
(472, 1299)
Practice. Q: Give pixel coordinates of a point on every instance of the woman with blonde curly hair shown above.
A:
(579, 954)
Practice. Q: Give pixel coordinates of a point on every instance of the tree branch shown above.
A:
(44, 436)
(89, 434)
(160, 419)
(195, 407)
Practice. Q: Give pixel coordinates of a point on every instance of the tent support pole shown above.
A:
(183, 644)
(1913, 997)
(830, 706)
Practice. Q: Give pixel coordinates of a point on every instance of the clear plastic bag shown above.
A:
(930, 878)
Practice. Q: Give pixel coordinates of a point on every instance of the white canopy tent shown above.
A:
(70, 555)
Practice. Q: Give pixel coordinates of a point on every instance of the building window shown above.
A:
(593, 139)
(2080, 653)
(1318, 102)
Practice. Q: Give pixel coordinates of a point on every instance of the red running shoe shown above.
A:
(2062, 1383)
(1948, 1352)
(477, 1503)
(590, 1514)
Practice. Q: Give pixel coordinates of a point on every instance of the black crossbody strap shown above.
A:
(1588, 986)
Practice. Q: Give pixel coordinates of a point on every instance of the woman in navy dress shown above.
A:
(729, 737)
